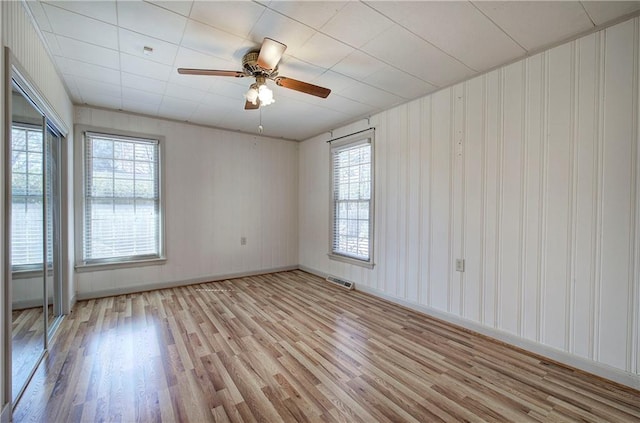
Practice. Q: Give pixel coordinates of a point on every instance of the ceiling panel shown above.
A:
(534, 24)
(88, 70)
(182, 7)
(150, 20)
(100, 99)
(153, 100)
(234, 93)
(410, 53)
(176, 108)
(347, 106)
(358, 65)
(372, 96)
(89, 53)
(102, 10)
(356, 24)
(185, 93)
(292, 67)
(211, 41)
(312, 13)
(143, 67)
(335, 80)
(80, 27)
(93, 88)
(143, 83)
(372, 55)
(473, 38)
(70, 82)
(139, 107)
(274, 25)
(399, 83)
(213, 115)
(324, 51)
(604, 11)
(234, 17)
(134, 44)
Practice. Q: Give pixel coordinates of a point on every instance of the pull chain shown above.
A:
(260, 128)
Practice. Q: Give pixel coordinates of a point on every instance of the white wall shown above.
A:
(19, 34)
(530, 174)
(220, 186)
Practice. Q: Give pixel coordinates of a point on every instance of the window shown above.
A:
(122, 207)
(27, 197)
(352, 200)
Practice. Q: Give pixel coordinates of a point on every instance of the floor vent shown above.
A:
(340, 282)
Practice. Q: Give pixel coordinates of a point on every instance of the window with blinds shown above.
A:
(352, 200)
(27, 160)
(122, 207)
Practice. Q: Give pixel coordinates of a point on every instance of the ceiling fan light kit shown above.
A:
(262, 65)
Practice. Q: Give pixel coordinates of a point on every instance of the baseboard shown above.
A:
(174, 284)
(5, 415)
(580, 363)
(24, 304)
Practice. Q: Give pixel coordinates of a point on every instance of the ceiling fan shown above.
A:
(262, 65)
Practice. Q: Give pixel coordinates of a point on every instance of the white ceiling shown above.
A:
(372, 55)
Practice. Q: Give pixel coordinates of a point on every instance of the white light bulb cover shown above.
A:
(265, 95)
(252, 95)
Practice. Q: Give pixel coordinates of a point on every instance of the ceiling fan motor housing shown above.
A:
(250, 65)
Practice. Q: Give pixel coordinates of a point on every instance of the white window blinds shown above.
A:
(352, 182)
(26, 197)
(122, 199)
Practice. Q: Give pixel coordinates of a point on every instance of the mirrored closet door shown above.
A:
(34, 213)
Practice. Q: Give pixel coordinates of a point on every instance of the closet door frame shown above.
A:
(14, 71)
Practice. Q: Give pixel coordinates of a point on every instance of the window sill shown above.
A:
(28, 274)
(80, 268)
(351, 260)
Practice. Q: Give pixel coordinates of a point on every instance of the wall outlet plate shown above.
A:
(459, 265)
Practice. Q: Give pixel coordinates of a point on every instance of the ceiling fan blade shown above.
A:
(210, 72)
(250, 106)
(303, 87)
(270, 53)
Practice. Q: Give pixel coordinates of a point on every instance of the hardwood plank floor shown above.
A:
(290, 347)
(27, 344)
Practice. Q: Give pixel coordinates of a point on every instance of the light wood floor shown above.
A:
(289, 347)
(27, 344)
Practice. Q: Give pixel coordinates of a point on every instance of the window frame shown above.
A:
(359, 138)
(81, 265)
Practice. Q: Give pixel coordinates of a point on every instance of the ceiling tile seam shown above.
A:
(47, 49)
(119, 57)
(202, 51)
(433, 84)
(423, 39)
(353, 79)
(85, 42)
(159, 5)
(173, 65)
(189, 18)
(57, 6)
(587, 13)
(526, 50)
(281, 14)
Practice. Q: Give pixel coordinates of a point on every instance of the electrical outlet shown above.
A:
(243, 240)
(459, 265)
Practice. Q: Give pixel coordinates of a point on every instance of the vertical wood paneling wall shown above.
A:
(18, 33)
(219, 187)
(529, 173)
